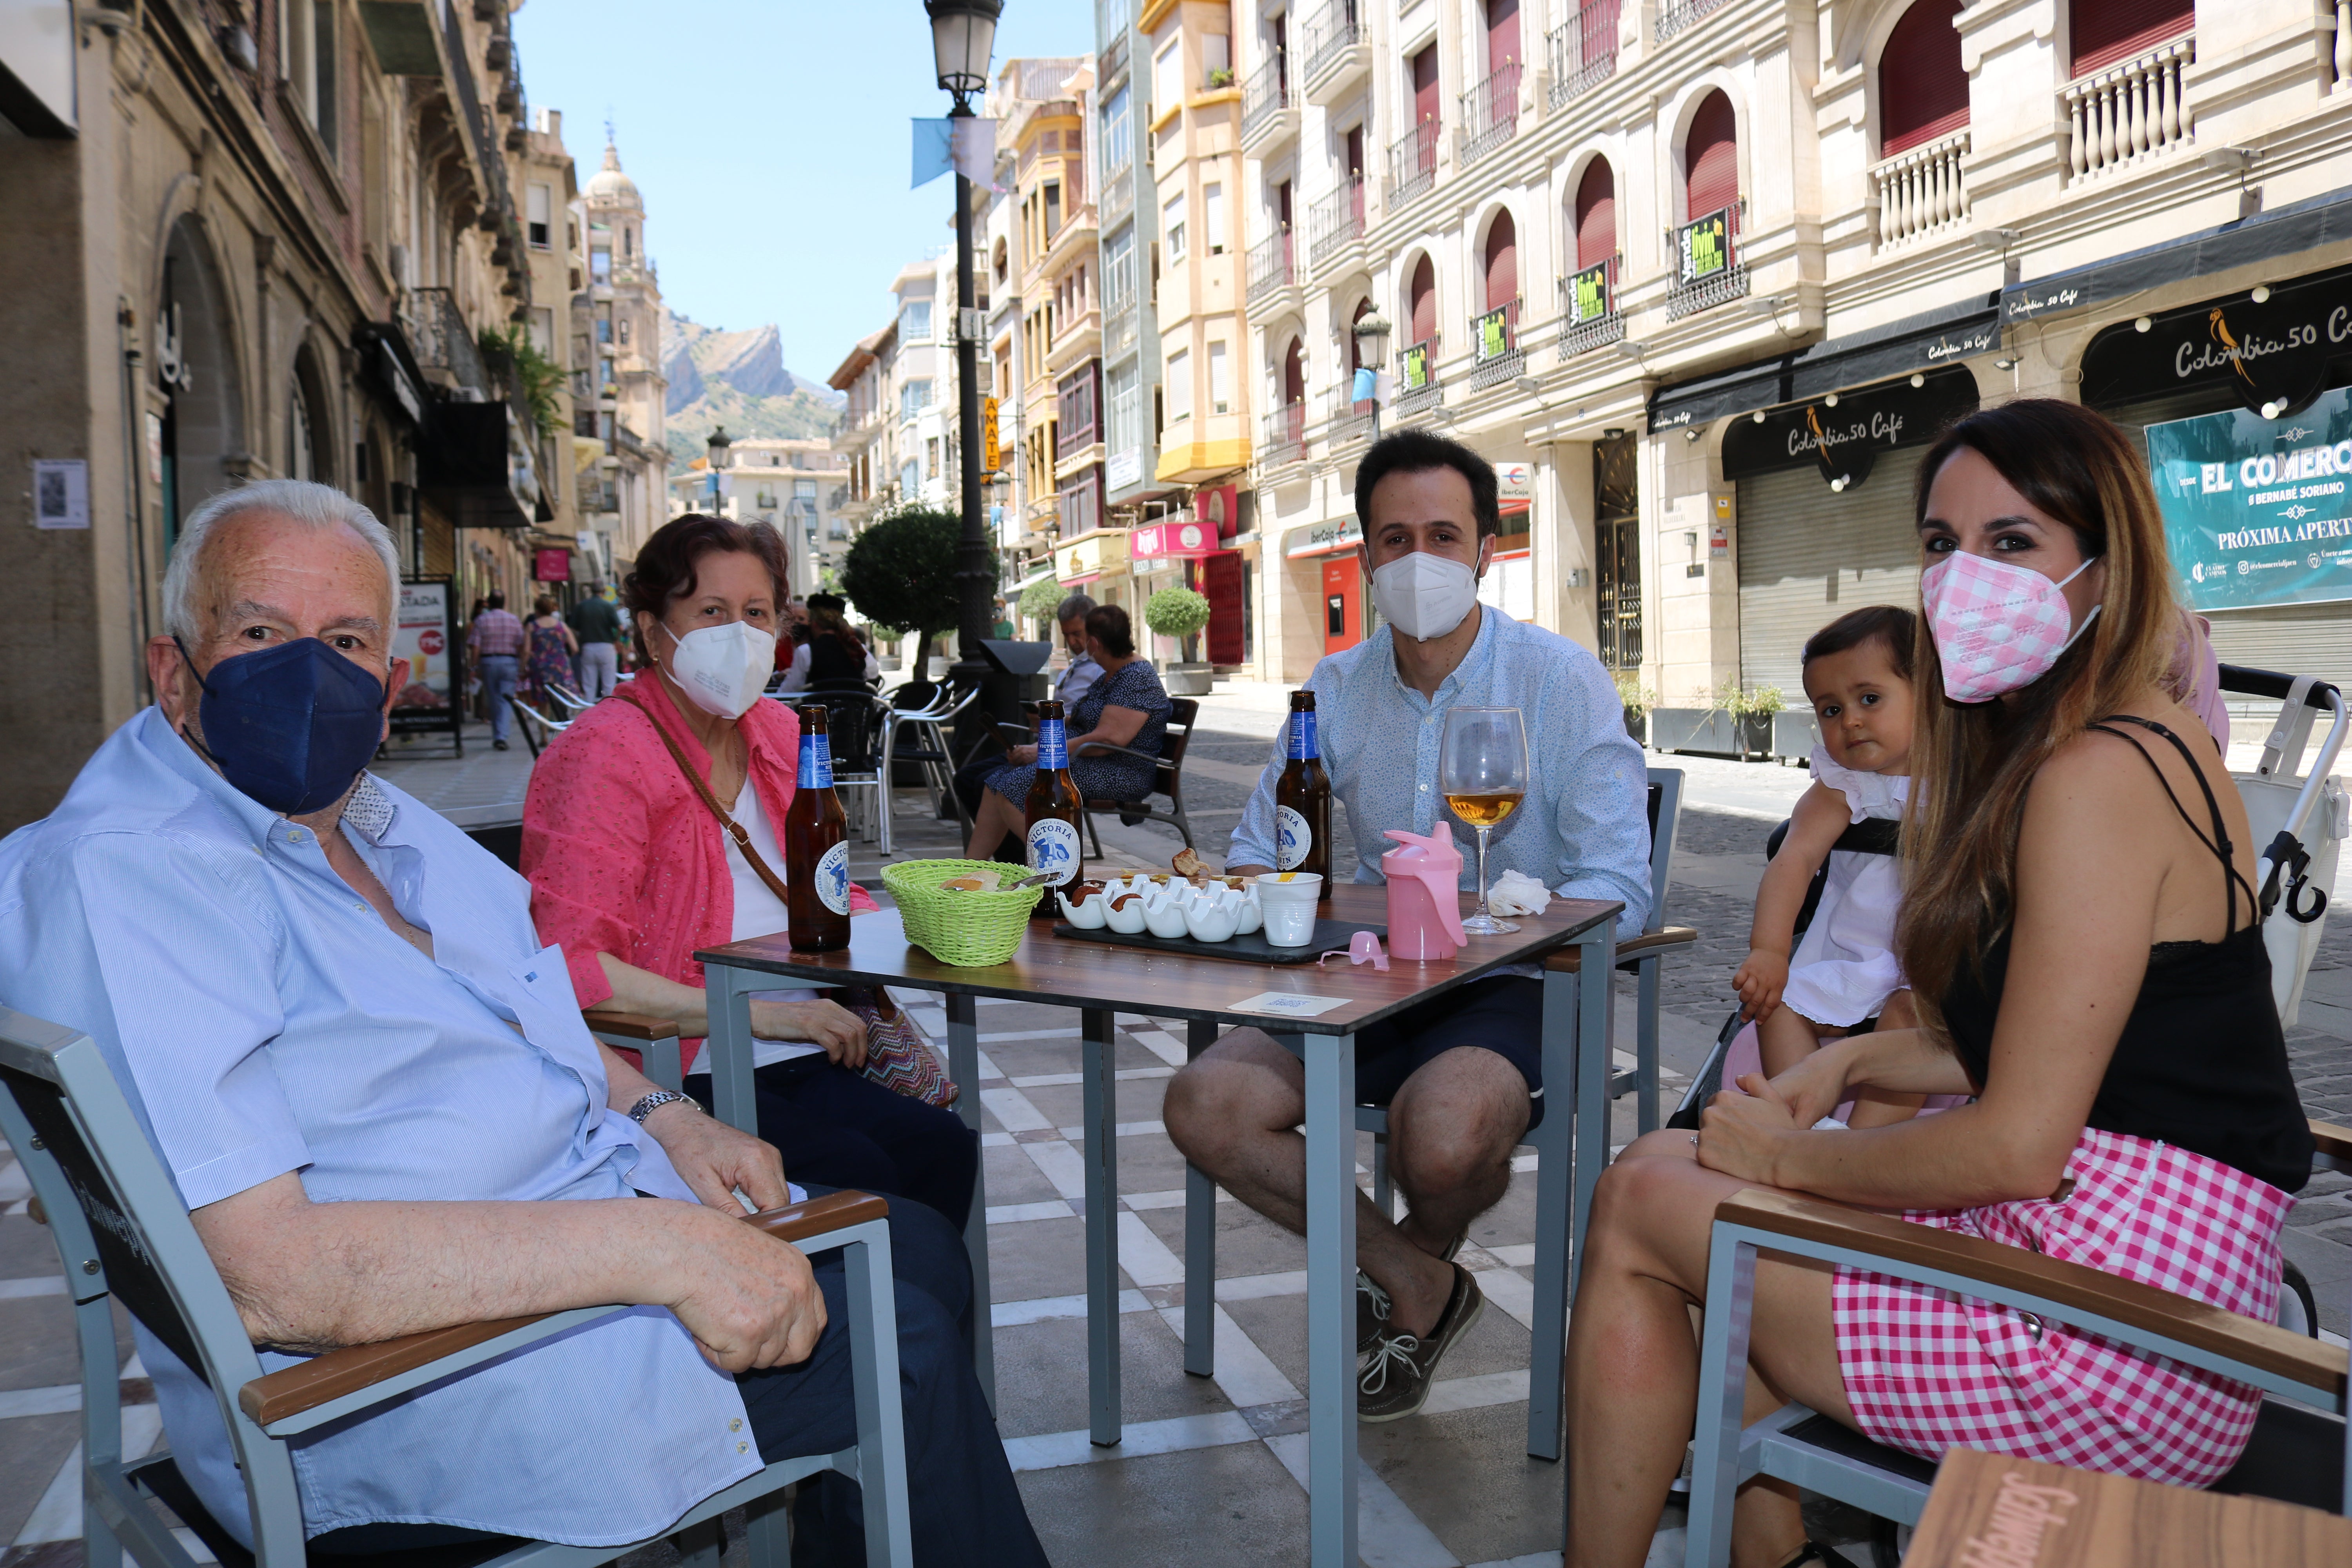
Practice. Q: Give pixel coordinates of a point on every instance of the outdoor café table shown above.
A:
(1101, 981)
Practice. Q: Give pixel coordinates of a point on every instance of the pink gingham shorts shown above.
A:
(1926, 1370)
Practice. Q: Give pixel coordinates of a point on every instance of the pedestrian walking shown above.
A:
(496, 642)
(553, 648)
(595, 626)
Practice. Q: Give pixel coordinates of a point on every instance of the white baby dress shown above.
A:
(1845, 968)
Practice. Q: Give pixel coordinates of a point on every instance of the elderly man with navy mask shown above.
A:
(374, 1090)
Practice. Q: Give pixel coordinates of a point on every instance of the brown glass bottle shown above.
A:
(1302, 798)
(1050, 834)
(816, 847)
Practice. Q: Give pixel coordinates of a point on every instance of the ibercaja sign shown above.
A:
(2258, 511)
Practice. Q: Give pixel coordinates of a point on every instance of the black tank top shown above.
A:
(2201, 1062)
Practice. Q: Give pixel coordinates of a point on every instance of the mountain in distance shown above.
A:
(739, 380)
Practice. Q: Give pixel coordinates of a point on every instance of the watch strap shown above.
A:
(654, 1101)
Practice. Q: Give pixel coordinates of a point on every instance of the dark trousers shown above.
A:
(839, 1129)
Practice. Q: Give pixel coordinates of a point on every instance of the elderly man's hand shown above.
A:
(748, 1299)
(715, 1159)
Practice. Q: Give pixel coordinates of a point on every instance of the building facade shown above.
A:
(1705, 279)
(253, 240)
(798, 486)
(620, 426)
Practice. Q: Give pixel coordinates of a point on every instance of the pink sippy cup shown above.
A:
(1424, 878)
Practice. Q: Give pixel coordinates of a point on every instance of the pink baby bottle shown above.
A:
(1424, 878)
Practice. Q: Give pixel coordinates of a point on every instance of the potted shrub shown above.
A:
(1637, 699)
(1181, 614)
(1751, 709)
(1220, 77)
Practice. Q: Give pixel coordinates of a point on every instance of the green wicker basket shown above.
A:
(969, 929)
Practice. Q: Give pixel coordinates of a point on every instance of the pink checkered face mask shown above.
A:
(1997, 626)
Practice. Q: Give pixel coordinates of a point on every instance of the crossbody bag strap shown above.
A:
(734, 829)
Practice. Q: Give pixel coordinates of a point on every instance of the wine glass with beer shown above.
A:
(1483, 774)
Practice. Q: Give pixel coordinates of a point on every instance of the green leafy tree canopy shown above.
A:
(1176, 613)
(1040, 599)
(900, 572)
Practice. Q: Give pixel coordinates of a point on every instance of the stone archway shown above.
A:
(203, 445)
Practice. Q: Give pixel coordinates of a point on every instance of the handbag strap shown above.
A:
(735, 829)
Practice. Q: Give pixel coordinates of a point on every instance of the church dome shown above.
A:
(609, 184)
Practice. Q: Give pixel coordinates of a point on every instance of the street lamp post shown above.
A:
(963, 37)
(718, 443)
(1372, 338)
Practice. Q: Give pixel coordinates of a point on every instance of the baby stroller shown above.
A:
(2301, 817)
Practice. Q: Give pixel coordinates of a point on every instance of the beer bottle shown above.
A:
(1302, 798)
(1051, 832)
(816, 847)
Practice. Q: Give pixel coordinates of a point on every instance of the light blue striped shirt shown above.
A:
(263, 1018)
(1583, 830)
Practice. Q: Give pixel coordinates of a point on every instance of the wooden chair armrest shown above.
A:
(2335, 1143)
(274, 1396)
(2208, 1328)
(1571, 960)
(629, 1025)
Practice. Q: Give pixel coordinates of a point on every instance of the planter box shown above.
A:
(1756, 736)
(1795, 734)
(1638, 726)
(1186, 680)
(1709, 731)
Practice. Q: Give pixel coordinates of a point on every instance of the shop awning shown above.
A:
(1900, 347)
(2305, 226)
(1081, 581)
(1186, 541)
(1039, 576)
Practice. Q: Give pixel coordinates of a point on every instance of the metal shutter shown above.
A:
(2298, 639)
(1797, 538)
(1711, 159)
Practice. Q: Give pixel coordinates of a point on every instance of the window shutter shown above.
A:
(1923, 92)
(2105, 31)
(1596, 214)
(1502, 262)
(1424, 295)
(1711, 159)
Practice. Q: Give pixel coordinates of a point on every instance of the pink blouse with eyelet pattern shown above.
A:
(622, 855)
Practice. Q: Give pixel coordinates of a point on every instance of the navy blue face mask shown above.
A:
(291, 726)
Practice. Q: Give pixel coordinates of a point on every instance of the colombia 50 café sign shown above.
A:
(2258, 511)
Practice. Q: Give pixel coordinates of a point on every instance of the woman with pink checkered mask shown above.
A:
(2080, 931)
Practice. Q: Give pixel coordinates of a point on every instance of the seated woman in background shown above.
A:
(1126, 706)
(834, 654)
(630, 872)
(2081, 936)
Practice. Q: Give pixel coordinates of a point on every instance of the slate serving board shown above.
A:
(1251, 949)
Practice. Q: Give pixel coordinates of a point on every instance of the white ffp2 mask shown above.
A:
(1424, 596)
(723, 668)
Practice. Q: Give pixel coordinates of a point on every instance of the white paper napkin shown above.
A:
(1516, 893)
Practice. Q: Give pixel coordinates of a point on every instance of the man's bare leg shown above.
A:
(1235, 1111)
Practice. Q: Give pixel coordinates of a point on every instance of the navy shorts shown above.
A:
(1503, 1013)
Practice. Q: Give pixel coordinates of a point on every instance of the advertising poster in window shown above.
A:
(2258, 511)
(1703, 246)
(1588, 294)
(1491, 336)
(1415, 372)
(427, 636)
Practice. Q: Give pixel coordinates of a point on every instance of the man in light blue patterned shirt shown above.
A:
(1463, 1077)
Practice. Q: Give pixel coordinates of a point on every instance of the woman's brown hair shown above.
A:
(1975, 761)
(1108, 625)
(665, 570)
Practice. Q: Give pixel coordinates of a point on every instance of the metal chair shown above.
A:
(928, 727)
(1170, 781)
(539, 731)
(570, 702)
(855, 719)
(2297, 1453)
(123, 1234)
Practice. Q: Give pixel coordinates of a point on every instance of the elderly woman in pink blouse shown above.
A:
(632, 873)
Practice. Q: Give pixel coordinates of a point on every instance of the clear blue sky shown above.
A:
(770, 140)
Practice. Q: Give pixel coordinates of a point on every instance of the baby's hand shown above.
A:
(1759, 982)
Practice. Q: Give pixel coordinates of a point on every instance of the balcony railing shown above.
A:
(1413, 162)
(1336, 221)
(1346, 419)
(1117, 194)
(1270, 265)
(1583, 51)
(438, 336)
(1687, 14)
(1724, 278)
(2129, 112)
(1114, 58)
(1266, 94)
(1329, 34)
(1592, 318)
(1490, 111)
(1919, 191)
(1417, 363)
(1495, 346)
(1285, 436)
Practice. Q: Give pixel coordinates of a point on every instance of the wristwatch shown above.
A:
(654, 1101)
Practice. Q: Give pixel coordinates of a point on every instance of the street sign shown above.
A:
(2256, 510)
(972, 325)
(992, 454)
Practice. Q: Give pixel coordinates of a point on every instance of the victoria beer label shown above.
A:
(816, 847)
(1050, 834)
(1302, 798)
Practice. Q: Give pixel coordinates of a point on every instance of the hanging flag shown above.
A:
(974, 150)
(1368, 385)
(933, 155)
